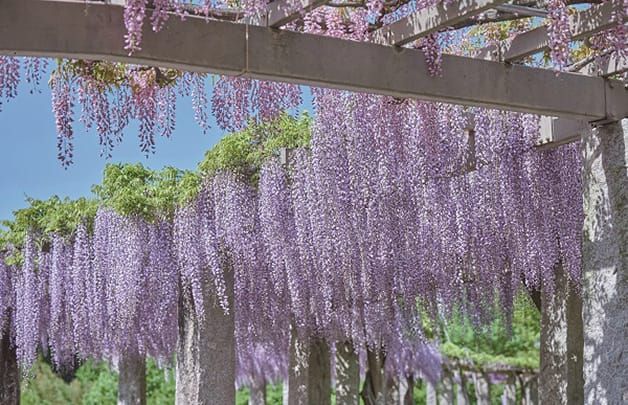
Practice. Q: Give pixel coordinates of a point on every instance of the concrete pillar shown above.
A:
(605, 264)
(509, 397)
(257, 394)
(297, 384)
(406, 390)
(132, 379)
(319, 373)
(347, 375)
(560, 379)
(206, 352)
(462, 396)
(482, 389)
(9, 372)
(393, 391)
(531, 391)
(186, 372)
(374, 389)
(446, 389)
(430, 398)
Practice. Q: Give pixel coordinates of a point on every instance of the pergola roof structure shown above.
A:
(257, 47)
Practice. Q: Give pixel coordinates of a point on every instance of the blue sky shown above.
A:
(28, 163)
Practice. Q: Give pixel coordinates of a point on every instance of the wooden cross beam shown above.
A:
(431, 19)
(582, 24)
(95, 31)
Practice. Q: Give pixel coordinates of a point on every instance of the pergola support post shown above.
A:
(132, 379)
(446, 389)
(319, 373)
(605, 263)
(560, 379)
(482, 389)
(309, 373)
(206, 352)
(257, 394)
(9, 371)
(347, 375)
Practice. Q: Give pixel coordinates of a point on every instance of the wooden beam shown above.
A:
(282, 12)
(582, 24)
(431, 19)
(75, 29)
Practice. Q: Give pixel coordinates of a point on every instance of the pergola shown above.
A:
(582, 103)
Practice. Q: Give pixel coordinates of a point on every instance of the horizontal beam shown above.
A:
(430, 19)
(281, 12)
(607, 65)
(582, 24)
(75, 29)
(560, 131)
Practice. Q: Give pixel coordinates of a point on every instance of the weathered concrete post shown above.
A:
(462, 396)
(605, 264)
(297, 384)
(446, 389)
(531, 391)
(509, 397)
(206, 352)
(217, 352)
(374, 388)
(431, 398)
(132, 379)
(347, 375)
(560, 380)
(9, 372)
(319, 373)
(482, 389)
(186, 373)
(257, 394)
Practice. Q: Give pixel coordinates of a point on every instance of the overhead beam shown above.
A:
(582, 24)
(281, 12)
(559, 131)
(431, 19)
(74, 29)
(607, 65)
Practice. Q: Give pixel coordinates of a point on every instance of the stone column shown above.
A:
(319, 373)
(206, 351)
(217, 353)
(9, 372)
(531, 391)
(509, 397)
(132, 379)
(482, 389)
(605, 264)
(462, 396)
(186, 372)
(560, 380)
(347, 375)
(257, 394)
(374, 388)
(297, 384)
(430, 393)
(446, 389)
